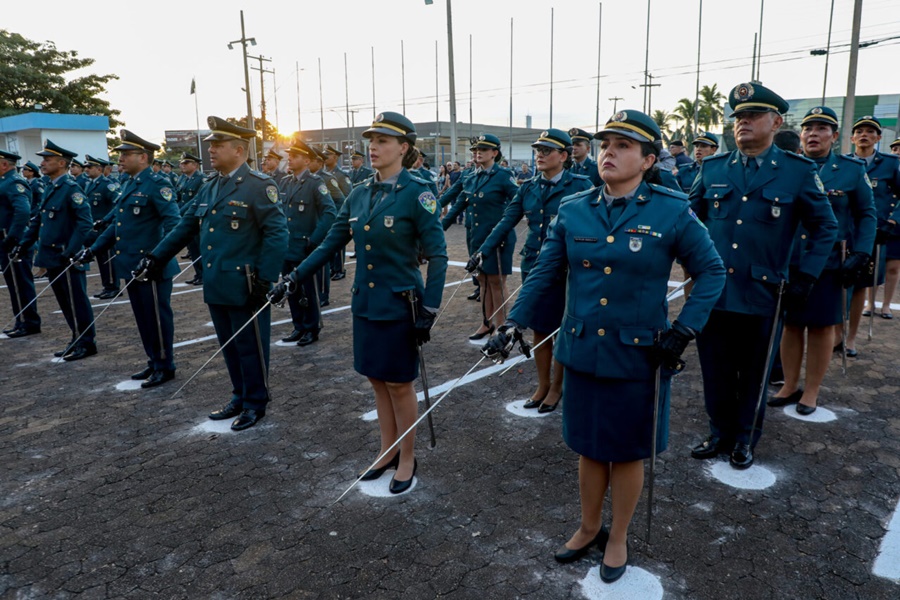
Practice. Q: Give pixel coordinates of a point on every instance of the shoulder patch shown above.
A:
(112, 187)
(166, 193)
(819, 183)
(77, 197)
(20, 188)
(272, 193)
(428, 201)
(695, 217)
(323, 190)
(334, 183)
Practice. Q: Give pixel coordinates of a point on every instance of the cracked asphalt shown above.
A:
(118, 494)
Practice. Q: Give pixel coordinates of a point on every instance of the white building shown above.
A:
(25, 134)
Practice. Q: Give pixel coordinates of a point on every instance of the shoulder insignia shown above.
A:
(259, 175)
(695, 217)
(272, 193)
(166, 193)
(77, 197)
(578, 176)
(323, 190)
(112, 187)
(20, 188)
(334, 183)
(417, 178)
(667, 191)
(428, 201)
(819, 183)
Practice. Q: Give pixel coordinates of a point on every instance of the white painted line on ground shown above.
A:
(887, 563)
(91, 275)
(105, 304)
(380, 488)
(517, 408)
(822, 415)
(128, 385)
(210, 426)
(635, 584)
(754, 478)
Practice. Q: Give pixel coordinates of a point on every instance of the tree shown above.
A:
(711, 101)
(33, 73)
(662, 119)
(271, 130)
(684, 113)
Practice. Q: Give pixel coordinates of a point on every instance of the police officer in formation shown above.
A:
(317, 167)
(244, 236)
(582, 163)
(310, 212)
(883, 171)
(360, 172)
(188, 186)
(393, 308)
(15, 211)
(813, 326)
(59, 231)
(76, 170)
(101, 192)
(617, 244)
(146, 209)
(757, 192)
(892, 276)
(706, 144)
(32, 173)
(538, 201)
(331, 166)
(272, 165)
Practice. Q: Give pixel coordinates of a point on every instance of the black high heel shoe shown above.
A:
(566, 555)
(398, 487)
(547, 408)
(612, 574)
(376, 473)
(482, 335)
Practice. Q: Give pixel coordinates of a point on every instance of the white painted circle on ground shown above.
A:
(128, 385)
(285, 344)
(754, 478)
(517, 408)
(380, 488)
(635, 584)
(208, 324)
(210, 426)
(822, 415)
(3, 336)
(179, 285)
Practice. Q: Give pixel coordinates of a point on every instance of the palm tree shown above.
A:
(710, 106)
(662, 118)
(684, 112)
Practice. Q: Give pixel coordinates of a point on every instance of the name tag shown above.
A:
(587, 239)
(353, 219)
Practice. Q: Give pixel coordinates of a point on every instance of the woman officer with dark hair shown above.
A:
(618, 244)
(388, 217)
(538, 200)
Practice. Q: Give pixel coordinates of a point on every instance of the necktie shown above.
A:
(546, 188)
(377, 193)
(615, 209)
(751, 169)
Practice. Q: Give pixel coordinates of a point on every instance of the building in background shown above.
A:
(25, 134)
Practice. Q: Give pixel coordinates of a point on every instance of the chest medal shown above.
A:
(136, 210)
(235, 224)
(389, 221)
(635, 243)
(776, 212)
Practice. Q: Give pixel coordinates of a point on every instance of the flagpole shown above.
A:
(197, 114)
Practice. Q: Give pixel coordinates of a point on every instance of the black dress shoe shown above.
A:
(398, 487)
(61, 353)
(191, 281)
(295, 335)
(533, 403)
(709, 448)
(99, 294)
(548, 408)
(323, 303)
(790, 399)
(805, 410)
(852, 352)
(612, 574)
(338, 276)
(742, 456)
(226, 412)
(196, 281)
(482, 335)
(108, 294)
(249, 417)
(158, 378)
(372, 474)
(80, 352)
(22, 332)
(10, 330)
(476, 295)
(308, 338)
(140, 375)
(839, 347)
(566, 555)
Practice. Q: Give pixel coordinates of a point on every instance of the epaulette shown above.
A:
(577, 176)
(802, 159)
(667, 191)
(889, 157)
(591, 193)
(210, 177)
(260, 175)
(721, 156)
(853, 159)
(418, 179)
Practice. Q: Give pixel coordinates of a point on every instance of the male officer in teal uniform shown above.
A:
(582, 163)
(706, 144)
(59, 230)
(317, 167)
(101, 192)
(15, 210)
(360, 172)
(32, 173)
(243, 234)
(753, 200)
(188, 187)
(310, 212)
(146, 210)
(272, 164)
(332, 155)
(76, 170)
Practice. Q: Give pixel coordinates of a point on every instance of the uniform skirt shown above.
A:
(610, 420)
(500, 260)
(892, 250)
(823, 308)
(385, 350)
(549, 307)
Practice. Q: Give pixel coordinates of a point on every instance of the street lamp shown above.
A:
(243, 42)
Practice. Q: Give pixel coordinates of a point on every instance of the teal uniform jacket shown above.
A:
(145, 212)
(386, 258)
(455, 190)
(669, 180)
(37, 194)
(82, 180)
(753, 225)
(486, 194)
(853, 203)
(884, 173)
(428, 176)
(343, 180)
(358, 176)
(686, 176)
(618, 278)
(538, 209)
(240, 223)
(102, 193)
(61, 226)
(15, 205)
(310, 212)
(334, 188)
(188, 188)
(588, 168)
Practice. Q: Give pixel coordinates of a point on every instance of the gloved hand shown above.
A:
(854, 265)
(671, 345)
(15, 253)
(84, 256)
(99, 225)
(501, 344)
(259, 292)
(9, 242)
(148, 268)
(424, 320)
(284, 288)
(474, 262)
(797, 291)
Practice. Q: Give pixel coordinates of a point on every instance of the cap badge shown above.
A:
(816, 111)
(743, 92)
(620, 116)
(379, 118)
(545, 133)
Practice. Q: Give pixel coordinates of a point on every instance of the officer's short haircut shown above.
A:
(241, 143)
(788, 140)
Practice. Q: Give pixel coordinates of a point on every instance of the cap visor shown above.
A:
(623, 132)
(380, 131)
(752, 110)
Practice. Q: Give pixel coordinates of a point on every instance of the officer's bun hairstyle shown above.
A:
(652, 175)
(411, 156)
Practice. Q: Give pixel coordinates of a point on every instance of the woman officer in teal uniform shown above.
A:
(538, 201)
(388, 217)
(486, 193)
(618, 244)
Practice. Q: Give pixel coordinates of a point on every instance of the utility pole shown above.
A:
(262, 97)
(648, 92)
(551, 67)
(647, 61)
(299, 123)
(321, 106)
(697, 85)
(599, 40)
(850, 101)
(762, 6)
(453, 143)
(827, 53)
(615, 101)
(243, 42)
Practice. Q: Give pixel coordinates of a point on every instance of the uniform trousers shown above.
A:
(144, 305)
(107, 273)
(79, 316)
(193, 248)
(248, 380)
(20, 284)
(309, 317)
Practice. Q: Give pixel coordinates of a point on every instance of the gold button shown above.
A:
(607, 270)
(765, 278)
(370, 267)
(237, 268)
(475, 215)
(636, 340)
(716, 204)
(118, 224)
(209, 247)
(740, 222)
(211, 229)
(573, 330)
(290, 219)
(214, 211)
(209, 265)
(476, 224)
(803, 237)
(371, 284)
(734, 246)
(120, 210)
(117, 252)
(542, 211)
(610, 239)
(601, 332)
(730, 270)
(716, 196)
(368, 247)
(366, 228)
(118, 238)
(586, 264)
(603, 301)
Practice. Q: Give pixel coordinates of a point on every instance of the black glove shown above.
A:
(797, 291)
(501, 344)
(259, 292)
(671, 345)
(15, 253)
(885, 232)
(9, 242)
(424, 320)
(474, 262)
(149, 268)
(99, 225)
(284, 288)
(854, 266)
(84, 256)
